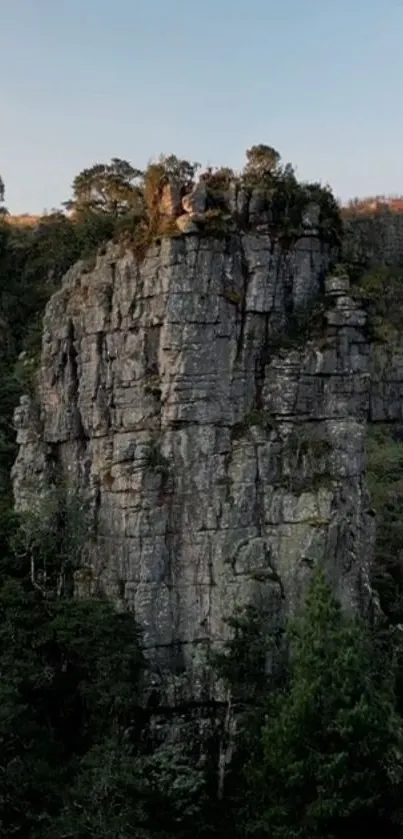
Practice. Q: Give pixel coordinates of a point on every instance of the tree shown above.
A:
(181, 171)
(167, 169)
(51, 539)
(70, 675)
(110, 188)
(330, 761)
(53, 248)
(262, 160)
(121, 794)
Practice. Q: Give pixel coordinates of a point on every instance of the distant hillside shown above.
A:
(373, 205)
(369, 206)
(373, 235)
(23, 220)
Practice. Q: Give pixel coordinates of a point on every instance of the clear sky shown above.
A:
(82, 81)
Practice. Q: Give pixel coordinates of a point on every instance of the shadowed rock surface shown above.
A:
(213, 401)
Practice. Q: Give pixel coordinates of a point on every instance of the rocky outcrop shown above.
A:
(223, 450)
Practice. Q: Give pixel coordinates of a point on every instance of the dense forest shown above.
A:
(318, 748)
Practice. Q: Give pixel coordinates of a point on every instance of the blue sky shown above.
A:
(86, 80)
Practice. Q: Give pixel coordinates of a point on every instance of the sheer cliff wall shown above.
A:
(374, 239)
(212, 400)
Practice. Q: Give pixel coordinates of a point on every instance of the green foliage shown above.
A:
(117, 201)
(317, 746)
(76, 756)
(381, 289)
(262, 161)
(372, 239)
(217, 223)
(152, 385)
(306, 452)
(70, 672)
(288, 201)
(242, 664)
(93, 229)
(31, 264)
(181, 171)
(305, 462)
(51, 539)
(108, 188)
(156, 460)
(53, 247)
(385, 482)
(255, 418)
(329, 762)
(218, 182)
(121, 794)
(306, 323)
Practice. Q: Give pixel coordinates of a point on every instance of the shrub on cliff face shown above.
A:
(384, 477)
(50, 540)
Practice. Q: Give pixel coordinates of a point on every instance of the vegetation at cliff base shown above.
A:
(77, 757)
(317, 749)
(329, 760)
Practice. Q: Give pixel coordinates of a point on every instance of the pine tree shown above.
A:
(330, 761)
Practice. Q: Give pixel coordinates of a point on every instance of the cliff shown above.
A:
(212, 399)
(373, 238)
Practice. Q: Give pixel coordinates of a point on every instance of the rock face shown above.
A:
(376, 239)
(224, 460)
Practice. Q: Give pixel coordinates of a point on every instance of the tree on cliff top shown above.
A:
(182, 171)
(110, 188)
(262, 160)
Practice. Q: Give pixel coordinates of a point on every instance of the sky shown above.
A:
(82, 81)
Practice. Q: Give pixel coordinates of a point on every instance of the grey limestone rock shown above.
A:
(195, 202)
(224, 466)
(170, 204)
